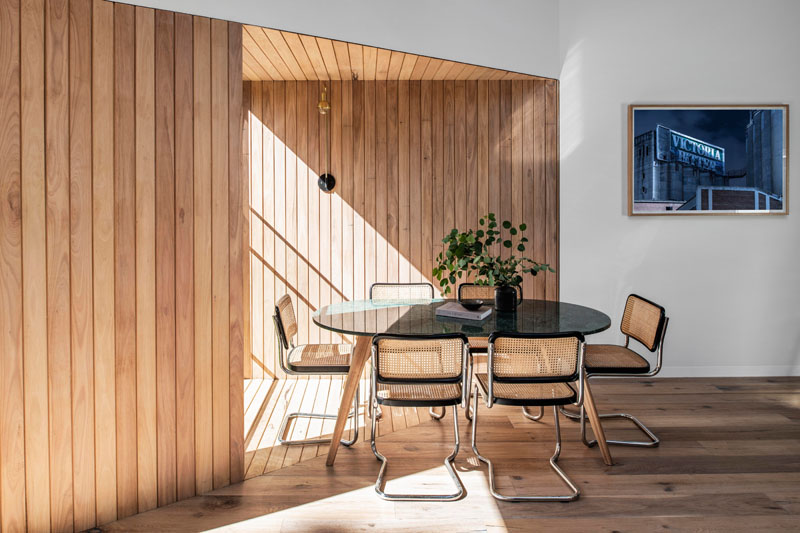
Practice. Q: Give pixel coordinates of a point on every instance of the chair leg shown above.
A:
(435, 415)
(467, 408)
(652, 443)
(575, 417)
(575, 492)
(529, 416)
(580, 416)
(448, 463)
(318, 416)
(372, 403)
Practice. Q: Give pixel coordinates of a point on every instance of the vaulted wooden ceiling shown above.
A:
(280, 55)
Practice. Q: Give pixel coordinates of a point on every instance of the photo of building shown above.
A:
(707, 159)
(765, 150)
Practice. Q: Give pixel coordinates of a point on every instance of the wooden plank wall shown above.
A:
(412, 160)
(122, 226)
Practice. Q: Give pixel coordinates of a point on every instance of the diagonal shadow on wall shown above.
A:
(412, 160)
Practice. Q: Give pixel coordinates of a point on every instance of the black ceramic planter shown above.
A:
(505, 299)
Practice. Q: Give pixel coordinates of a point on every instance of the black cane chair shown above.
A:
(401, 291)
(531, 370)
(478, 346)
(646, 322)
(306, 360)
(388, 292)
(419, 371)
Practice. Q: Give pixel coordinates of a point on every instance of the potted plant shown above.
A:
(469, 253)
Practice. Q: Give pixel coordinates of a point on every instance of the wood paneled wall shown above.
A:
(412, 160)
(122, 217)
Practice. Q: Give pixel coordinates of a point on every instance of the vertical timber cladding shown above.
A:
(121, 277)
(412, 160)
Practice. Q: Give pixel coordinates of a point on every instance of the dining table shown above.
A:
(365, 318)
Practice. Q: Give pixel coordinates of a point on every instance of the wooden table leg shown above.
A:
(599, 434)
(361, 354)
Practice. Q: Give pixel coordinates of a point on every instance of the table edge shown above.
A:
(365, 334)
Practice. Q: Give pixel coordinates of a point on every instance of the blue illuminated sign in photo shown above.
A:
(675, 146)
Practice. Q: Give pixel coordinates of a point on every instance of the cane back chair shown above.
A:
(419, 371)
(388, 292)
(401, 291)
(305, 360)
(646, 322)
(478, 346)
(473, 291)
(532, 370)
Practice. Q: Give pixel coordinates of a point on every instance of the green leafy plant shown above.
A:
(470, 253)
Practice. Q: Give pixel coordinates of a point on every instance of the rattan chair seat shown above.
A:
(419, 395)
(478, 344)
(327, 358)
(610, 358)
(528, 393)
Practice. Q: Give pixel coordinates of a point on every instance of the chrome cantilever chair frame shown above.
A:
(285, 344)
(469, 409)
(580, 372)
(448, 462)
(581, 416)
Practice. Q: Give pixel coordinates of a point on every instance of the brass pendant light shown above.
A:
(326, 181)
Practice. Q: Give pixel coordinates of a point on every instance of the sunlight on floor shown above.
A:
(362, 504)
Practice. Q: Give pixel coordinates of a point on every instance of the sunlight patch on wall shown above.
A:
(299, 238)
(571, 100)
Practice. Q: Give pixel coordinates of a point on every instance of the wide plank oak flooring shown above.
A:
(729, 460)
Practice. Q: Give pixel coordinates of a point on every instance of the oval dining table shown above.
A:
(365, 318)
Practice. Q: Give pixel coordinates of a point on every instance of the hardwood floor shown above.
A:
(729, 460)
(267, 401)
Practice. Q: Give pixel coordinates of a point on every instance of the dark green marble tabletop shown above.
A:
(418, 317)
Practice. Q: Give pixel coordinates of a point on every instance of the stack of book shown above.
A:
(456, 310)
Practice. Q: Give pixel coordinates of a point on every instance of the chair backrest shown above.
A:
(285, 320)
(533, 358)
(473, 291)
(401, 291)
(419, 359)
(644, 321)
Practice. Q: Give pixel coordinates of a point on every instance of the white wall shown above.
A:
(731, 285)
(518, 35)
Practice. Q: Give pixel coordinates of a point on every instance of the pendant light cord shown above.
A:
(327, 142)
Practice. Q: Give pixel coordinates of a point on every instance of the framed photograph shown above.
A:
(708, 160)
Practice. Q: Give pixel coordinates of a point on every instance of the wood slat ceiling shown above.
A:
(280, 55)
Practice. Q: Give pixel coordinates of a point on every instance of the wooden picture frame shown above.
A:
(706, 160)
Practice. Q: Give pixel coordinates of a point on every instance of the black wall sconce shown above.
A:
(326, 182)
